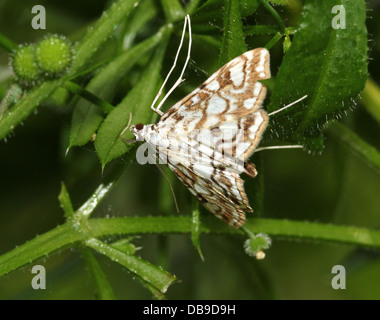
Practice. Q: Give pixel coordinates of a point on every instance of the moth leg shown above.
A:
(295, 146)
(250, 169)
(286, 107)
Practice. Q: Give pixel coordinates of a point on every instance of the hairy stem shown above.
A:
(7, 43)
(274, 14)
(76, 89)
(68, 234)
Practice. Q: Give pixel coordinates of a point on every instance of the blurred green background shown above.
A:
(335, 187)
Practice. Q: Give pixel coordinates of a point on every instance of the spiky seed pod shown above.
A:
(25, 67)
(255, 245)
(54, 55)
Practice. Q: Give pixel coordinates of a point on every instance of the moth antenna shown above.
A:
(170, 185)
(180, 79)
(125, 129)
(288, 106)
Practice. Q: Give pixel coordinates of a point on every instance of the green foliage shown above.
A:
(233, 43)
(112, 73)
(319, 65)
(108, 143)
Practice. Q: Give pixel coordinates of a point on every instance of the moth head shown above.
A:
(138, 131)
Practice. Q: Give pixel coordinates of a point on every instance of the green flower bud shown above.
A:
(25, 67)
(255, 245)
(54, 55)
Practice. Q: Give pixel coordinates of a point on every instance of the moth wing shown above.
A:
(232, 92)
(228, 103)
(233, 141)
(221, 192)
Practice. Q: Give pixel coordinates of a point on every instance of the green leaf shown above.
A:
(192, 6)
(329, 65)
(108, 143)
(11, 97)
(233, 42)
(125, 245)
(103, 288)
(84, 51)
(110, 179)
(151, 276)
(27, 104)
(365, 151)
(247, 7)
(260, 29)
(277, 37)
(144, 13)
(208, 19)
(87, 116)
(280, 2)
(275, 15)
(216, 7)
(371, 99)
(65, 202)
(77, 89)
(195, 227)
(173, 10)
(100, 32)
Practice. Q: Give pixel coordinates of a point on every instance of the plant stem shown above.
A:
(195, 230)
(85, 211)
(7, 43)
(274, 227)
(38, 247)
(153, 277)
(101, 31)
(275, 15)
(273, 41)
(233, 40)
(65, 202)
(67, 234)
(260, 29)
(361, 148)
(26, 106)
(102, 286)
(371, 99)
(192, 6)
(76, 89)
(173, 10)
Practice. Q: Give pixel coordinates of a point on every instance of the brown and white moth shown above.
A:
(207, 137)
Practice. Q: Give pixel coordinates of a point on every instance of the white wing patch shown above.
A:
(216, 105)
